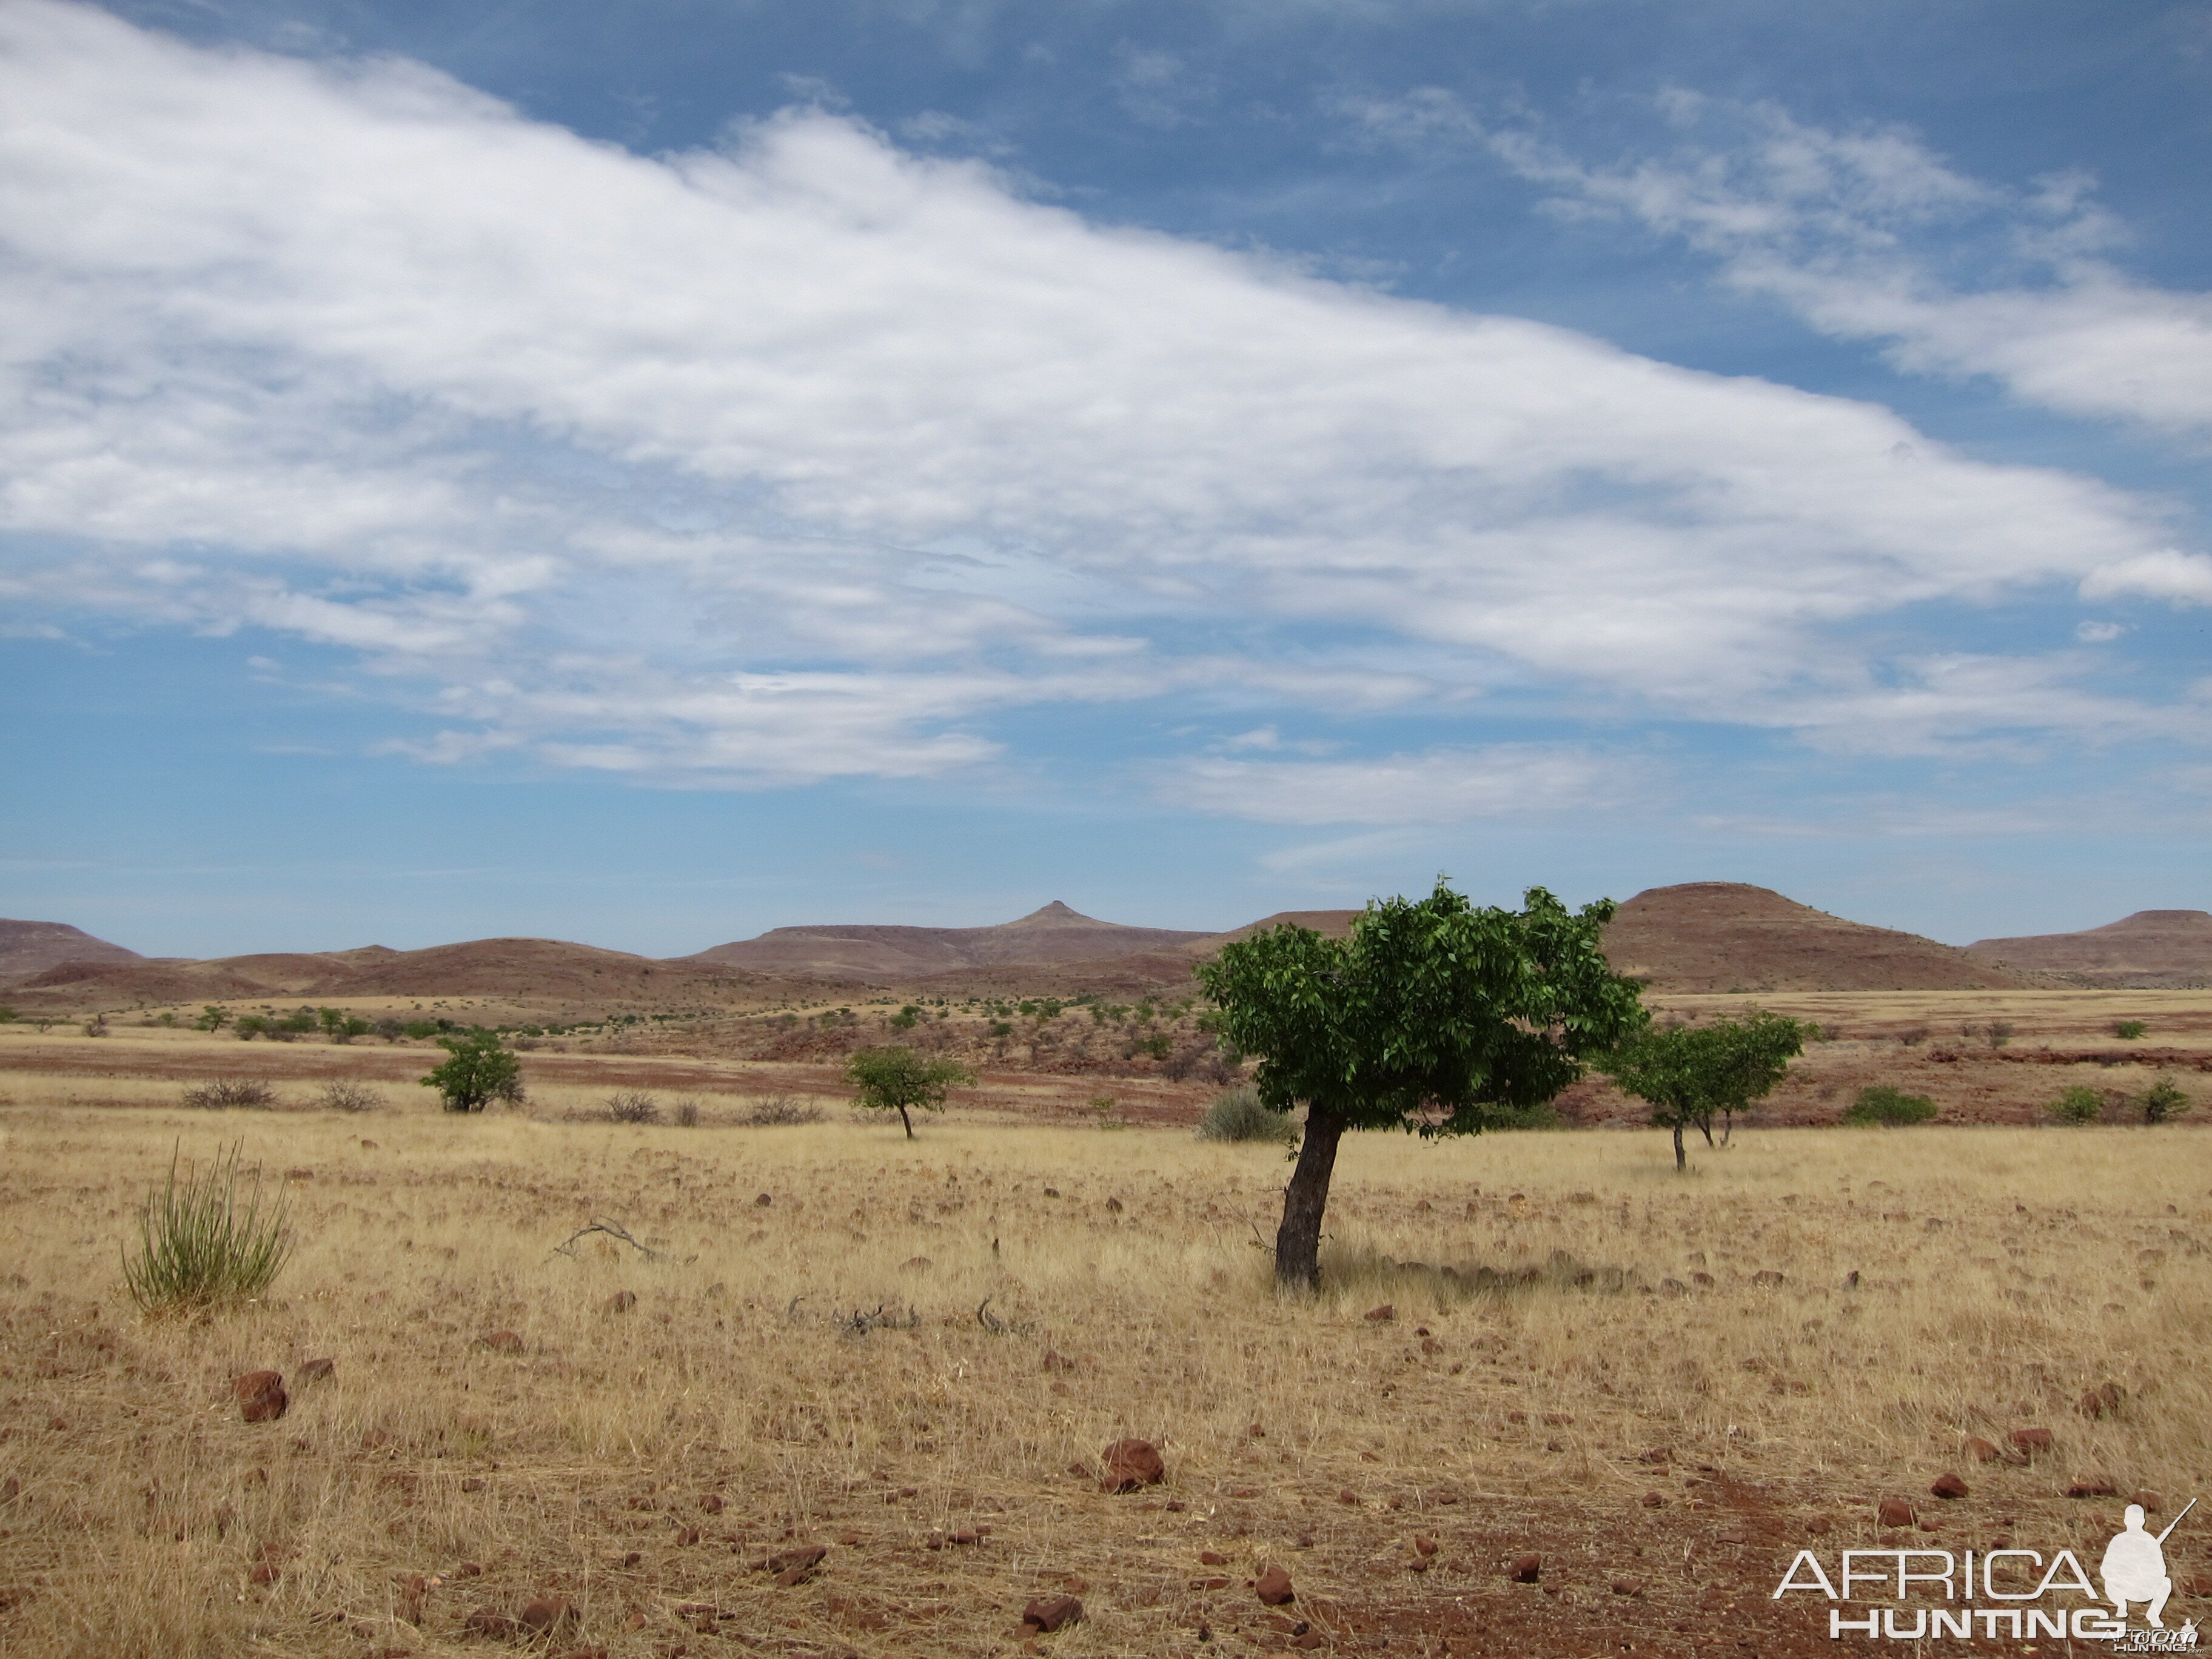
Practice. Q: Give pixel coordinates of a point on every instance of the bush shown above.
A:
(250, 1026)
(476, 1073)
(1240, 1115)
(2129, 1029)
(415, 1029)
(780, 1109)
(1884, 1103)
(228, 1093)
(345, 1094)
(197, 1249)
(687, 1113)
(633, 1106)
(2078, 1104)
(2162, 1100)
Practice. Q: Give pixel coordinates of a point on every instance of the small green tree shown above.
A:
(897, 1079)
(2078, 1103)
(1886, 1104)
(2128, 1031)
(1690, 1073)
(339, 1026)
(213, 1016)
(1434, 1017)
(2162, 1100)
(476, 1073)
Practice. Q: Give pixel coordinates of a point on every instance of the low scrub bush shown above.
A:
(226, 1094)
(687, 1113)
(778, 1110)
(1240, 1115)
(1884, 1103)
(2078, 1104)
(2163, 1100)
(2129, 1029)
(199, 1248)
(633, 1106)
(345, 1094)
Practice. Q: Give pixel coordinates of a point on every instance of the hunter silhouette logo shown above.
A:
(2019, 1594)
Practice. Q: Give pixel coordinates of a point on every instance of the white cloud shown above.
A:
(1445, 785)
(807, 456)
(2180, 578)
(1861, 232)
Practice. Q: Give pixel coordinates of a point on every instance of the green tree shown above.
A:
(2162, 1100)
(897, 1079)
(476, 1073)
(1688, 1074)
(1887, 1104)
(212, 1018)
(2078, 1103)
(1434, 1017)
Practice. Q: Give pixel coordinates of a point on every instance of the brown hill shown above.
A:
(2149, 950)
(30, 948)
(534, 968)
(866, 954)
(1728, 936)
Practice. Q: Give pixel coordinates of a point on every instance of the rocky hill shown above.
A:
(2149, 950)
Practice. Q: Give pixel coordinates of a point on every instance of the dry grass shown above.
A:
(2003, 1273)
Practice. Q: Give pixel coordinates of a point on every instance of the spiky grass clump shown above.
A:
(199, 1248)
(1241, 1115)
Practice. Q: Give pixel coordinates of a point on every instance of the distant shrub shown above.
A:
(687, 1113)
(2129, 1029)
(2162, 1100)
(476, 1072)
(229, 1094)
(416, 1029)
(1913, 1037)
(1884, 1103)
(778, 1110)
(345, 1094)
(298, 1021)
(633, 1106)
(389, 1030)
(7, 1016)
(1000, 1028)
(2078, 1104)
(198, 1248)
(96, 1026)
(1241, 1115)
(904, 1019)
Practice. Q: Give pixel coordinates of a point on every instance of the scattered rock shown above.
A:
(1128, 1464)
(2093, 1485)
(2103, 1400)
(299, 1175)
(711, 1502)
(1525, 1568)
(1255, 1431)
(1673, 1287)
(1702, 1280)
(1114, 1206)
(796, 1564)
(1894, 1512)
(1949, 1486)
(473, 1483)
(1272, 1586)
(763, 1201)
(1653, 1500)
(1851, 1280)
(2031, 1441)
(271, 1567)
(1047, 1614)
(1212, 1558)
(261, 1396)
(1424, 1544)
(319, 1371)
(1348, 1497)
(622, 1301)
(1766, 1276)
(491, 1622)
(1628, 1587)
(917, 1264)
(368, 1145)
(1382, 1314)
(1656, 1454)
(1981, 1451)
(500, 1342)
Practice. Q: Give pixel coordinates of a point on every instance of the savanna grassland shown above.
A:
(913, 1353)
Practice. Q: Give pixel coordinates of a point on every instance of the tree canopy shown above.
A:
(1435, 1016)
(896, 1079)
(476, 1072)
(1690, 1072)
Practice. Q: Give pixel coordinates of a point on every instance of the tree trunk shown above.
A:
(1728, 1131)
(1705, 1127)
(908, 1121)
(1298, 1242)
(1681, 1163)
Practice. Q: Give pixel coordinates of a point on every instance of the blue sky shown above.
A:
(648, 474)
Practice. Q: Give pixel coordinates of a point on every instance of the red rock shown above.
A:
(1431, 1346)
(1129, 1464)
(489, 1621)
(711, 1502)
(473, 1483)
(1348, 1496)
(271, 1567)
(1766, 1276)
(917, 1264)
(1382, 1314)
(763, 1201)
(1654, 1500)
(317, 1371)
(1424, 1546)
(1656, 1454)
(2031, 1441)
(1894, 1512)
(1054, 1361)
(261, 1396)
(622, 1301)
(469, 1570)
(547, 1614)
(1525, 1568)
(1049, 1612)
(1211, 1559)
(2103, 1400)
(1256, 1431)
(1949, 1486)
(796, 1564)
(1628, 1587)
(2093, 1485)
(500, 1342)
(1209, 1584)
(368, 1145)
(1981, 1451)
(1272, 1586)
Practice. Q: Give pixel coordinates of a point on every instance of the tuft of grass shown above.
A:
(633, 1106)
(687, 1113)
(226, 1093)
(345, 1094)
(778, 1110)
(1240, 1115)
(1886, 1104)
(2129, 1029)
(198, 1248)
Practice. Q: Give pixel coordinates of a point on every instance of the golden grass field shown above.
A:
(2003, 1273)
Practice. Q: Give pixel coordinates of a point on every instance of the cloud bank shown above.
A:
(806, 457)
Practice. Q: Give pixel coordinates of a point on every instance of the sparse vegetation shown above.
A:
(897, 1079)
(778, 1110)
(1886, 1104)
(230, 1094)
(1241, 1115)
(212, 1018)
(476, 1072)
(1687, 1073)
(2128, 1031)
(2078, 1103)
(633, 1106)
(2164, 1099)
(345, 1095)
(686, 1115)
(198, 1249)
